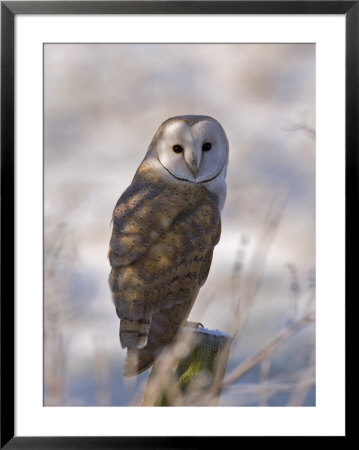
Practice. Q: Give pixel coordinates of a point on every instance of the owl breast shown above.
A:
(160, 253)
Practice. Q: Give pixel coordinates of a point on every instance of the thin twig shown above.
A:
(285, 334)
(252, 393)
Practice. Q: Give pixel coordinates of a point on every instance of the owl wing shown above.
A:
(160, 252)
(166, 322)
(136, 223)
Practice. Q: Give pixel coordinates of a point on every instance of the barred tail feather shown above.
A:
(134, 333)
(164, 327)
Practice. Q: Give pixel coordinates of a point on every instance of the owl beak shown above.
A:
(194, 163)
(193, 160)
(194, 167)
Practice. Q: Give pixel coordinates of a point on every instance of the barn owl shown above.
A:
(165, 227)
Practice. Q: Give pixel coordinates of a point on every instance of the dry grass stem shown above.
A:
(263, 381)
(301, 389)
(184, 374)
(251, 279)
(253, 393)
(161, 382)
(273, 345)
(59, 257)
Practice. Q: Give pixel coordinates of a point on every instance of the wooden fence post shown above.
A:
(193, 378)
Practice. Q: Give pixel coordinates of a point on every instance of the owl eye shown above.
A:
(206, 146)
(177, 148)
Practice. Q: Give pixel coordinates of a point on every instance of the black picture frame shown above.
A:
(9, 10)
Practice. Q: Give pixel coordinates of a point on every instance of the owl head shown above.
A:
(191, 148)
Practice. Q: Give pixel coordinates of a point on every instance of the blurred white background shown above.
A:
(102, 106)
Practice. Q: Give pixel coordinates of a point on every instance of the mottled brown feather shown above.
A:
(160, 252)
